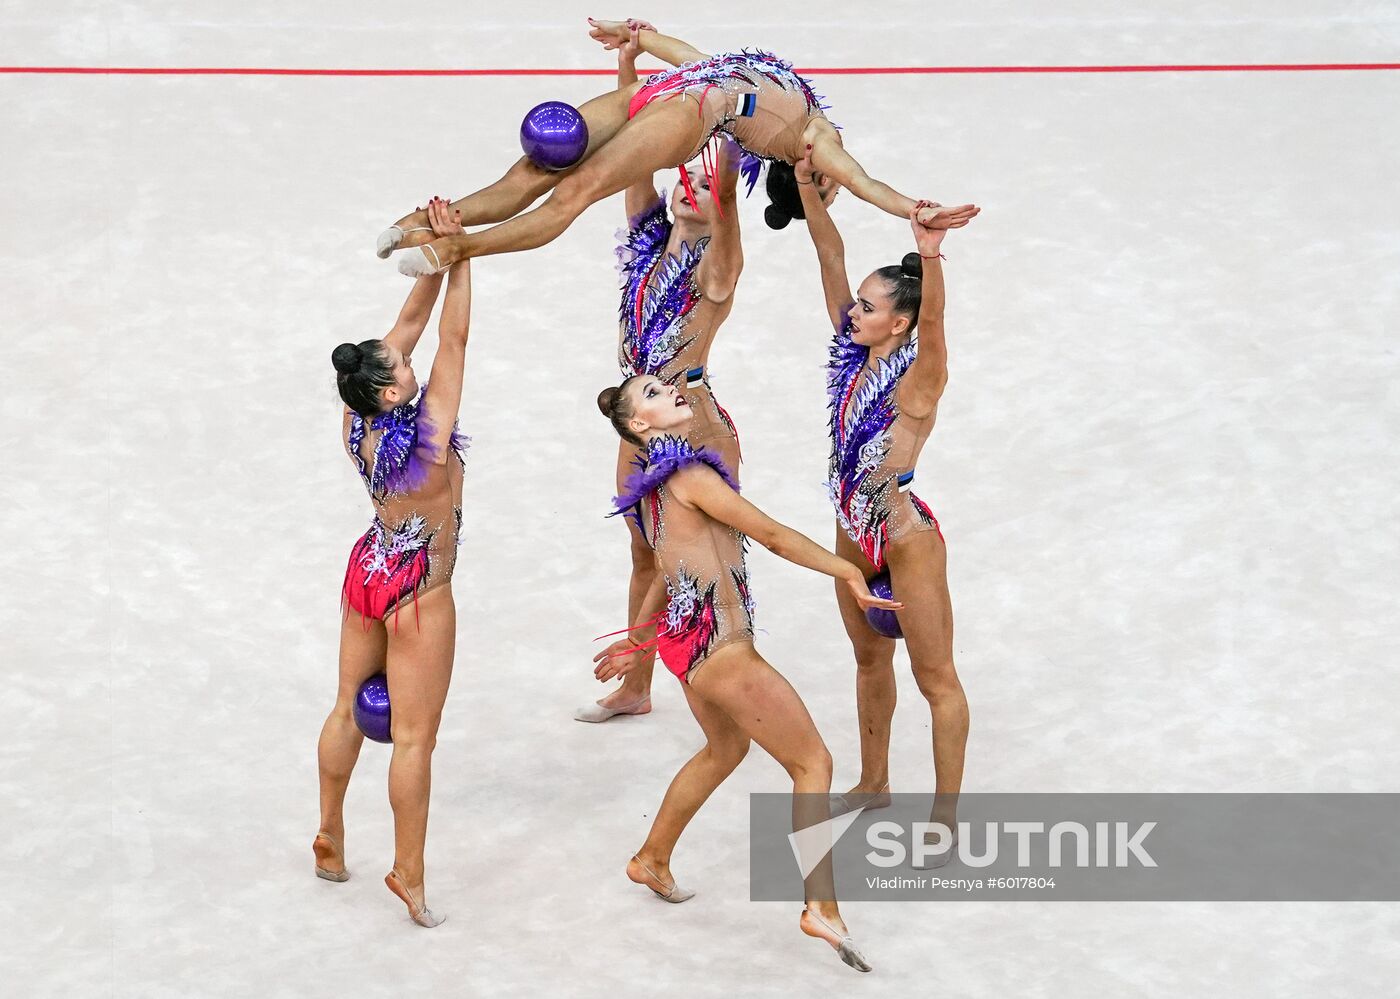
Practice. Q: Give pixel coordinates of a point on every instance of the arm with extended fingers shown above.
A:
(444, 394)
(922, 387)
(703, 488)
(829, 157)
(413, 317)
(614, 34)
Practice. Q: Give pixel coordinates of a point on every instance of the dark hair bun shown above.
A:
(347, 358)
(784, 197)
(912, 266)
(606, 398)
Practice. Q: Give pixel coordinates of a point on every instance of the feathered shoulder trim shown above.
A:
(666, 456)
(404, 449)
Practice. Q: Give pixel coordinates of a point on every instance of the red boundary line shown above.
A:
(815, 71)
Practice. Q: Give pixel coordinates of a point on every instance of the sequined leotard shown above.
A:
(411, 547)
(666, 326)
(874, 447)
(755, 97)
(709, 605)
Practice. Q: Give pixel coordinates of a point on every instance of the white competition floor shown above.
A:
(1166, 467)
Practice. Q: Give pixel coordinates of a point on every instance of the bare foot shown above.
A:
(402, 234)
(330, 857)
(864, 795)
(939, 852)
(658, 877)
(434, 257)
(619, 702)
(829, 926)
(413, 898)
(623, 696)
(417, 227)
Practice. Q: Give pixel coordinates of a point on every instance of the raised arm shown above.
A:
(829, 156)
(413, 317)
(444, 394)
(614, 34)
(724, 257)
(703, 488)
(922, 387)
(831, 250)
(641, 195)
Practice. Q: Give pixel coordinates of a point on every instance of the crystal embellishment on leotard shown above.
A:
(684, 593)
(872, 452)
(691, 617)
(659, 292)
(740, 576)
(404, 449)
(860, 422)
(646, 231)
(729, 71)
(390, 545)
(701, 611)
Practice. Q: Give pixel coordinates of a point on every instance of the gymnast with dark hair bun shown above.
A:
(884, 386)
(753, 97)
(399, 616)
(688, 509)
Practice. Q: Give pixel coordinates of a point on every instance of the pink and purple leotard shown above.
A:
(411, 547)
(709, 605)
(754, 97)
(874, 447)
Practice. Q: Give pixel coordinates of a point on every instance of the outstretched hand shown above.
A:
(932, 215)
(444, 219)
(618, 659)
(613, 34)
(861, 591)
(927, 240)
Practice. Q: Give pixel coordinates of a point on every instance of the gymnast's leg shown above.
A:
(523, 183)
(662, 135)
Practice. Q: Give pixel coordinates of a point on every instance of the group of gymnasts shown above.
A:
(689, 598)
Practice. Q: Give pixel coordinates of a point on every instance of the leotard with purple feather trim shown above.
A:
(411, 545)
(709, 604)
(666, 455)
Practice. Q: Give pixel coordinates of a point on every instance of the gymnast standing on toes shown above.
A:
(678, 284)
(753, 97)
(399, 614)
(687, 506)
(884, 387)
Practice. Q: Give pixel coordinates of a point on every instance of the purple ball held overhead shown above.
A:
(372, 708)
(883, 621)
(554, 135)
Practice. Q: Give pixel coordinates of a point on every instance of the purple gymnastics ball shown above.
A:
(372, 708)
(554, 135)
(883, 621)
